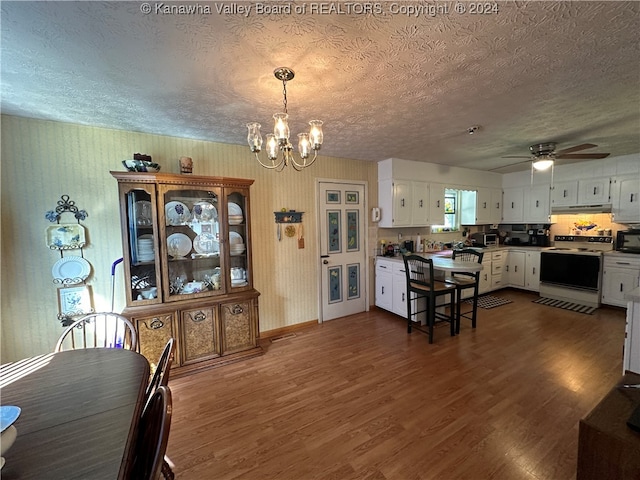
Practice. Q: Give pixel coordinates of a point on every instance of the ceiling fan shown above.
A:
(544, 155)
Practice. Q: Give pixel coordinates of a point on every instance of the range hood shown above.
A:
(597, 208)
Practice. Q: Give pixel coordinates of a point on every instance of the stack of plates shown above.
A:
(145, 248)
(236, 243)
(235, 214)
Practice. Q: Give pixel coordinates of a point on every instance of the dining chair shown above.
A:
(105, 329)
(161, 378)
(163, 368)
(153, 436)
(464, 281)
(422, 284)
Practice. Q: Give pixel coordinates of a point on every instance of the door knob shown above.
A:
(325, 262)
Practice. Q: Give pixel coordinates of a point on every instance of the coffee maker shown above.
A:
(539, 237)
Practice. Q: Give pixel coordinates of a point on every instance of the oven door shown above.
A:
(570, 270)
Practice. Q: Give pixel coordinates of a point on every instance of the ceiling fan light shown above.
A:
(542, 164)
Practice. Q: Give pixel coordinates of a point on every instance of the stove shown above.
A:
(581, 244)
(571, 270)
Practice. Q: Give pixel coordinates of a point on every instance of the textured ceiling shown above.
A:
(387, 84)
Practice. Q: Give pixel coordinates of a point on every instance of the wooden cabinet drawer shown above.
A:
(238, 326)
(153, 334)
(199, 334)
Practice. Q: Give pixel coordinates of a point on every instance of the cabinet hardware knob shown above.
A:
(237, 309)
(198, 317)
(156, 323)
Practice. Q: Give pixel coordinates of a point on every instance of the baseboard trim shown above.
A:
(278, 332)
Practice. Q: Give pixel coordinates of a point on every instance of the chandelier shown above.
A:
(278, 144)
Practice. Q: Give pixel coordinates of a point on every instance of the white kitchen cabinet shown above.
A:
(391, 288)
(564, 194)
(625, 198)
(498, 260)
(436, 200)
(399, 303)
(532, 274)
(513, 205)
(593, 191)
(420, 214)
(384, 284)
(481, 206)
(406, 203)
(536, 204)
(621, 274)
(485, 275)
(496, 206)
(516, 268)
(526, 204)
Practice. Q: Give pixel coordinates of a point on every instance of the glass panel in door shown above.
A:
(238, 225)
(191, 233)
(141, 268)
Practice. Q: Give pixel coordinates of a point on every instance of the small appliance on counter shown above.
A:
(539, 237)
(486, 239)
(628, 241)
(408, 245)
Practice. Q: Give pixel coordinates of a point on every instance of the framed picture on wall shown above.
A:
(75, 300)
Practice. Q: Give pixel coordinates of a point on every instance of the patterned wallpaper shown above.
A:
(42, 160)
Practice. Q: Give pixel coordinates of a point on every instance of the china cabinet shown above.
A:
(187, 266)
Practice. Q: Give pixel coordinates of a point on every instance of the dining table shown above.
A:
(79, 413)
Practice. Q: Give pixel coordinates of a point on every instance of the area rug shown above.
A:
(488, 301)
(575, 307)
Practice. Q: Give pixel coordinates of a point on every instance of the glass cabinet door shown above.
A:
(142, 272)
(239, 238)
(193, 260)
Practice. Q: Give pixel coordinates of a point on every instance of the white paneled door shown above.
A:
(342, 249)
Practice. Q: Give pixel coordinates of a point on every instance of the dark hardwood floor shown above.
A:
(358, 398)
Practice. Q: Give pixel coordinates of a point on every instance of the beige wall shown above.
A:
(41, 161)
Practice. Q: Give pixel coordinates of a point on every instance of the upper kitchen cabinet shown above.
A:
(482, 206)
(536, 204)
(593, 191)
(405, 187)
(564, 194)
(513, 205)
(406, 203)
(526, 204)
(625, 198)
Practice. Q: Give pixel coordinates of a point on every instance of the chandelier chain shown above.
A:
(284, 95)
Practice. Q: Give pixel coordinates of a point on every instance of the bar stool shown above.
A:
(421, 282)
(465, 280)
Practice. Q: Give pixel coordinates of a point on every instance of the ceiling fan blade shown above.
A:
(577, 148)
(517, 156)
(511, 164)
(585, 156)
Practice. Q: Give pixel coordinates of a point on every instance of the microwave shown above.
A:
(628, 241)
(487, 239)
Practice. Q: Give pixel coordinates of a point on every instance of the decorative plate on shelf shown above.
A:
(176, 213)
(178, 245)
(71, 270)
(206, 243)
(235, 238)
(235, 213)
(66, 236)
(204, 211)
